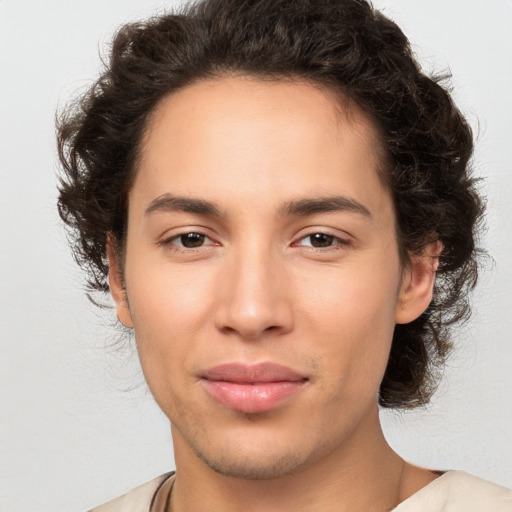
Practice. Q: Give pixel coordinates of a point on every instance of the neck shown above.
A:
(363, 473)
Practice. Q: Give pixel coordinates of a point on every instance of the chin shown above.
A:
(249, 468)
(260, 458)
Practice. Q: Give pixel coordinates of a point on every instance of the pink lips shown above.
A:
(252, 388)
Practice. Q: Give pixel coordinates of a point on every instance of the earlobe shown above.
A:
(116, 282)
(417, 287)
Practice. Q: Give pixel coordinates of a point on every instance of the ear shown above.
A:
(417, 286)
(116, 282)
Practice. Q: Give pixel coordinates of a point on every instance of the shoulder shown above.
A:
(458, 491)
(138, 499)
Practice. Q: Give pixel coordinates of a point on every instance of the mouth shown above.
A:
(252, 388)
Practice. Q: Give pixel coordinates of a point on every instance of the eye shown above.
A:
(321, 240)
(191, 240)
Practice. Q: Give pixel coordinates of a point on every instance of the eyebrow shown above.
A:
(306, 206)
(169, 203)
(300, 207)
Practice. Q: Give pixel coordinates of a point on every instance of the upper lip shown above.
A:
(252, 373)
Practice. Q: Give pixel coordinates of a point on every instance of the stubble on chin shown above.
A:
(234, 461)
(245, 468)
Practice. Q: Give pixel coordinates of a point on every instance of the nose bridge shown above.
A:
(254, 298)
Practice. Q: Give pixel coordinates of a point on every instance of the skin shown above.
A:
(255, 289)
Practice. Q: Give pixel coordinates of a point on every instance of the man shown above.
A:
(280, 203)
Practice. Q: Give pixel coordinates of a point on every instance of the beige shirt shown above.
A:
(455, 491)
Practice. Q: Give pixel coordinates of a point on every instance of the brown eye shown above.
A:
(190, 240)
(321, 240)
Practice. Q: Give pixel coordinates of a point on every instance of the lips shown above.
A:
(252, 388)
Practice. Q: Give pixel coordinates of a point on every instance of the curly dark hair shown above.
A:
(345, 45)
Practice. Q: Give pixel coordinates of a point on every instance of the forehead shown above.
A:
(273, 138)
(215, 102)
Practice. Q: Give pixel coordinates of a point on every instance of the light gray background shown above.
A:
(77, 425)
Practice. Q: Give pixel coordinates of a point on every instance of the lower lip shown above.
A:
(252, 398)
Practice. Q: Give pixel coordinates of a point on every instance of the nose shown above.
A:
(255, 297)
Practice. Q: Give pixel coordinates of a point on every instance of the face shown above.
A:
(261, 274)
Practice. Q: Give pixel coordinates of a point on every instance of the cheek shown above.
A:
(169, 307)
(350, 314)
(359, 297)
(169, 296)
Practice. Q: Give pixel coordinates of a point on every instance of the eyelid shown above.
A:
(342, 236)
(337, 239)
(168, 239)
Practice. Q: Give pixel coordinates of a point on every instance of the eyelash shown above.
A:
(336, 243)
(170, 242)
